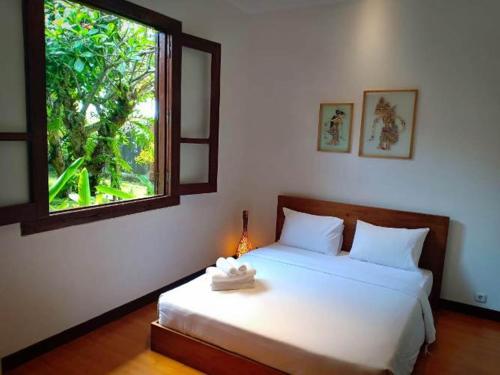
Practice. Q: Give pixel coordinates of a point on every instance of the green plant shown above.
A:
(146, 182)
(114, 192)
(64, 178)
(100, 74)
(84, 198)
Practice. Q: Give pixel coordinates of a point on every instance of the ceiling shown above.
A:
(262, 6)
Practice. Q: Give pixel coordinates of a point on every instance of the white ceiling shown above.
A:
(262, 6)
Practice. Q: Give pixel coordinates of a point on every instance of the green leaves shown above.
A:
(64, 178)
(114, 192)
(100, 84)
(146, 182)
(84, 197)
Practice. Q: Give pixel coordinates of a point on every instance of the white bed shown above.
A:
(311, 313)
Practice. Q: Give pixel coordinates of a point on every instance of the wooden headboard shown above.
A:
(434, 250)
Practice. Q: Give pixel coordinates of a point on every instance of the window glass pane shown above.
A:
(12, 97)
(101, 106)
(194, 163)
(195, 101)
(14, 169)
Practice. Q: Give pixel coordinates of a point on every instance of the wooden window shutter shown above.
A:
(200, 98)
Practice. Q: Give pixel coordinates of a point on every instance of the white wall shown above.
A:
(55, 280)
(450, 51)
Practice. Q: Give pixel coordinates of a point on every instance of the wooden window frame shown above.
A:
(38, 218)
(213, 48)
(23, 211)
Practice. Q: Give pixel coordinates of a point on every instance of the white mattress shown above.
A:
(311, 314)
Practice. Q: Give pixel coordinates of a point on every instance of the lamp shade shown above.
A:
(244, 246)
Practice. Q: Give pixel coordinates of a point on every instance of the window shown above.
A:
(104, 137)
(101, 76)
(105, 119)
(15, 204)
(199, 115)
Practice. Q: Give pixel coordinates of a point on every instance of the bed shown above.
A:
(310, 313)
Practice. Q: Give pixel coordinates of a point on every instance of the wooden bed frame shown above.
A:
(212, 359)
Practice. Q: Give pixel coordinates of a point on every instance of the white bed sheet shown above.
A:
(421, 277)
(310, 314)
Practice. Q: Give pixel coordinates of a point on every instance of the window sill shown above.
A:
(91, 214)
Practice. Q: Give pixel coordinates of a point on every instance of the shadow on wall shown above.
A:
(455, 261)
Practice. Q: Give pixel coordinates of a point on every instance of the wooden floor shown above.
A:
(465, 345)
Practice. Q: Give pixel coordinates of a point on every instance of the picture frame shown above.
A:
(388, 123)
(335, 127)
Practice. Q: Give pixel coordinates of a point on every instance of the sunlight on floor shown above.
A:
(150, 362)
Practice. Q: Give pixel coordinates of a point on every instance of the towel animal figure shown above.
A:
(229, 274)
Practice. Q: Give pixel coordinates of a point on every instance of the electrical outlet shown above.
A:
(481, 297)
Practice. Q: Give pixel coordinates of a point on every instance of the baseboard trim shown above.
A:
(476, 311)
(24, 355)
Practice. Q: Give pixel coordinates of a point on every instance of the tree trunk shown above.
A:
(104, 153)
(56, 157)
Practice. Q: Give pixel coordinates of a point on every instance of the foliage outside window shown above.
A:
(101, 89)
(103, 105)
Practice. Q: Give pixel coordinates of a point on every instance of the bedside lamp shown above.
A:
(244, 246)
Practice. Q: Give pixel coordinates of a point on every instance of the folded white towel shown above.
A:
(217, 275)
(219, 280)
(241, 267)
(211, 271)
(225, 266)
(250, 269)
(232, 286)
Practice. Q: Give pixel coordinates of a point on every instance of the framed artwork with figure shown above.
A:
(388, 123)
(335, 127)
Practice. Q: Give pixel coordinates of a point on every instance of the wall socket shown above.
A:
(481, 297)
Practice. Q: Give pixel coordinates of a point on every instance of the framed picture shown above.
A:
(335, 127)
(388, 123)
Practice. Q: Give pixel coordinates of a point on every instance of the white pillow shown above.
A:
(322, 234)
(393, 247)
